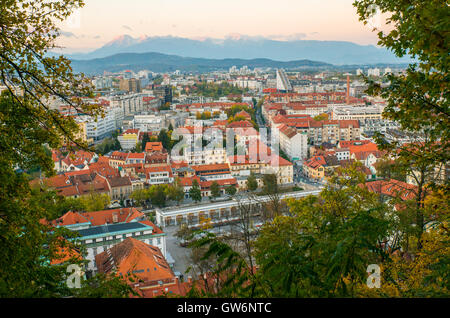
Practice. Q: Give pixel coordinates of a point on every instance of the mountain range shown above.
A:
(246, 47)
(158, 62)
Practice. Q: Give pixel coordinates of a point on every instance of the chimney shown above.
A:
(348, 89)
(115, 217)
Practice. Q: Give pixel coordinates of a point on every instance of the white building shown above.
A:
(283, 83)
(102, 127)
(373, 72)
(148, 123)
(343, 154)
(293, 144)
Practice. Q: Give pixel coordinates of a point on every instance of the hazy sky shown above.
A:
(100, 21)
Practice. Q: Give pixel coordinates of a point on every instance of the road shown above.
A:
(180, 254)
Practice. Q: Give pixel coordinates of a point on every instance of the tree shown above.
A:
(95, 201)
(170, 128)
(252, 183)
(270, 184)
(231, 190)
(321, 117)
(206, 115)
(33, 78)
(138, 147)
(195, 192)
(164, 138)
(158, 194)
(70, 204)
(145, 139)
(390, 169)
(140, 196)
(176, 192)
(320, 249)
(215, 190)
(418, 98)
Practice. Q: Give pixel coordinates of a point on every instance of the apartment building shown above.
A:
(292, 143)
(101, 230)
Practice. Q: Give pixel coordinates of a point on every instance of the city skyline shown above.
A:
(199, 19)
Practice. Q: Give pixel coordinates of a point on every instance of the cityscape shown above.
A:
(213, 169)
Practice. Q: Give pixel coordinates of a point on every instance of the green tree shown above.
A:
(252, 183)
(95, 201)
(270, 184)
(390, 169)
(215, 190)
(70, 204)
(176, 192)
(158, 194)
(140, 196)
(170, 128)
(418, 98)
(164, 138)
(145, 139)
(32, 78)
(231, 190)
(195, 192)
(320, 249)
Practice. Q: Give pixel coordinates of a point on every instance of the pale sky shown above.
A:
(100, 21)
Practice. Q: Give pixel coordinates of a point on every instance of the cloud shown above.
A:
(68, 34)
(127, 27)
(239, 37)
(288, 37)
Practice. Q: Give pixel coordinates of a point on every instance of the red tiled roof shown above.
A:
(131, 131)
(153, 146)
(136, 155)
(138, 258)
(240, 124)
(124, 215)
(393, 188)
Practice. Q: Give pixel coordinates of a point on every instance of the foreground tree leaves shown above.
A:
(28, 127)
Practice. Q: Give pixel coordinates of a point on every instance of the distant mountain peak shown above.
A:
(121, 40)
(241, 46)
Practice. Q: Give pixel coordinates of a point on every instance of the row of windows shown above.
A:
(118, 237)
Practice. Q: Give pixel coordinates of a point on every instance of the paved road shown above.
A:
(180, 254)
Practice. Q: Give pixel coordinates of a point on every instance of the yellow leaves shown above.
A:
(205, 223)
(437, 204)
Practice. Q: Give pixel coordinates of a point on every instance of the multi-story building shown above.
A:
(129, 139)
(292, 143)
(100, 127)
(101, 230)
(130, 85)
(159, 175)
(357, 113)
(148, 123)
